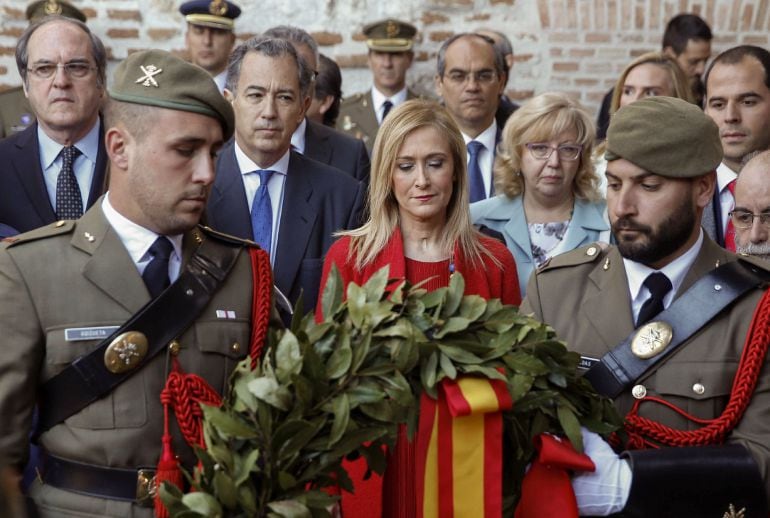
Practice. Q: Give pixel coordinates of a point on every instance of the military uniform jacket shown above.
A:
(357, 117)
(15, 112)
(584, 295)
(59, 279)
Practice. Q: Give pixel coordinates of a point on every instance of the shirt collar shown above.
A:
(676, 270)
(135, 238)
(220, 79)
(725, 175)
(488, 137)
(247, 165)
(378, 98)
(50, 149)
(298, 137)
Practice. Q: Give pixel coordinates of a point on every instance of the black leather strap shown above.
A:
(87, 479)
(620, 368)
(161, 320)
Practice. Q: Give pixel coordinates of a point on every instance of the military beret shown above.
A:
(157, 78)
(390, 35)
(665, 136)
(42, 8)
(218, 14)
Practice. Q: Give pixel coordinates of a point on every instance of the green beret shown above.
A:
(42, 8)
(390, 35)
(665, 136)
(156, 78)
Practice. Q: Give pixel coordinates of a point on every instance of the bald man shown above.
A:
(751, 215)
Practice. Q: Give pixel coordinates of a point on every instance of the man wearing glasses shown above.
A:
(470, 79)
(670, 326)
(751, 215)
(54, 170)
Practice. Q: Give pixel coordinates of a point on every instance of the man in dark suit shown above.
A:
(317, 141)
(289, 204)
(55, 169)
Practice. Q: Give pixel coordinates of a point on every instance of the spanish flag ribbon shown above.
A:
(459, 449)
(546, 490)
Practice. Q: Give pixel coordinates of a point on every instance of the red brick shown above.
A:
(478, 17)
(597, 37)
(13, 32)
(504, 2)
(563, 66)
(748, 14)
(572, 14)
(581, 53)
(3, 70)
(326, 38)
(351, 61)
(563, 37)
(586, 82)
(431, 17)
(734, 16)
(440, 36)
(423, 56)
(639, 17)
(158, 34)
(124, 14)
(555, 52)
(451, 3)
(522, 58)
(359, 36)
(612, 15)
(759, 21)
(89, 12)
(7, 51)
(13, 14)
(755, 39)
(545, 19)
(522, 95)
(123, 33)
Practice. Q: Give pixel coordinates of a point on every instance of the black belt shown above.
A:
(619, 368)
(131, 485)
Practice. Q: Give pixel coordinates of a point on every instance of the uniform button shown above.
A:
(591, 251)
(639, 391)
(236, 347)
(174, 347)
(60, 223)
(699, 389)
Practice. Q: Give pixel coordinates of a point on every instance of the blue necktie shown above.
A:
(69, 202)
(386, 107)
(155, 274)
(659, 285)
(262, 213)
(475, 181)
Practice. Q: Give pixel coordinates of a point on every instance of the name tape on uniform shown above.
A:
(75, 334)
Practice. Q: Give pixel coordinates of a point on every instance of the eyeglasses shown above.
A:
(47, 71)
(568, 152)
(460, 77)
(743, 219)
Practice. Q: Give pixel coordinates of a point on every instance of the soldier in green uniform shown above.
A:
(69, 285)
(662, 322)
(15, 111)
(390, 56)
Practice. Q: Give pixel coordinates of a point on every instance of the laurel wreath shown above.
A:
(325, 391)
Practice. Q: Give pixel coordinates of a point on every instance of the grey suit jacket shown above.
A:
(318, 200)
(24, 202)
(334, 148)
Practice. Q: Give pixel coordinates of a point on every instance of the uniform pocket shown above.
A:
(699, 388)
(222, 344)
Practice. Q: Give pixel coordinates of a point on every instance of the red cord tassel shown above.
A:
(168, 467)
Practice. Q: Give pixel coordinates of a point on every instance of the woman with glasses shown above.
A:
(548, 202)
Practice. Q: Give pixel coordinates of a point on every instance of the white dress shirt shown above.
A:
(725, 175)
(275, 187)
(84, 165)
(138, 240)
(488, 138)
(379, 99)
(298, 137)
(676, 271)
(220, 79)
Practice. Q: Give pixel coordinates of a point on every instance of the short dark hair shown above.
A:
(499, 58)
(683, 28)
(271, 47)
(329, 82)
(97, 47)
(736, 55)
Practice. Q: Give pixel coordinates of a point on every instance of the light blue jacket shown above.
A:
(506, 215)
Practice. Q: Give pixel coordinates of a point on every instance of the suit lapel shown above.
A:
(585, 216)
(298, 216)
(99, 182)
(26, 164)
(94, 236)
(228, 209)
(515, 229)
(606, 304)
(317, 145)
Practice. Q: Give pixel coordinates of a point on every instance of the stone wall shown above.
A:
(578, 46)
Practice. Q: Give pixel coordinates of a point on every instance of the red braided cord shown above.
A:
(185, 393)
(644, 432)
(260, 304)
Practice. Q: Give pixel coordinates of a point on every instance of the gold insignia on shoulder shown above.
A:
(60, 223)
(651, 339)
(364, 102)
(732, 513)
(148, 79)
(347, 123)
(391, 29)
(218, 7)
(90, 237)
(606, 264)
(592, 251)
(717, 264)
(52, 7)
(125, 352)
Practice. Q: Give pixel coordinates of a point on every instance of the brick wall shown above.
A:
(578, 46)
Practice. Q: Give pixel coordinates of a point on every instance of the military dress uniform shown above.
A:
(357, 116)
(584, 296)
(69, 285)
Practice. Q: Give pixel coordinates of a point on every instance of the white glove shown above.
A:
(605, 491)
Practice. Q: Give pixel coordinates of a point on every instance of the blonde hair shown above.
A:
(370, 239)
(539, 119)
(679, 82)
